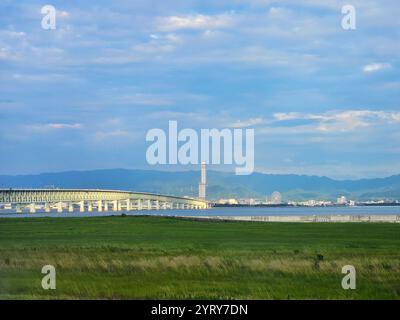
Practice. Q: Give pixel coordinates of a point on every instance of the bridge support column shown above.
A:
(115, 205)
(128, 204)
(59, 207)
(47, 207)
(90, 207)
(139, 204)
(148, 207)
(32, 208)
(81, 206)
(157, 205)
(99, 206)
(18, 208)
(119, 205)
(70, 207)
(182, 206)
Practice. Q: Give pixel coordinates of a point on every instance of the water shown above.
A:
(241, 211)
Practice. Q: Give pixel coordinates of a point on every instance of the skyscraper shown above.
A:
(202, 184)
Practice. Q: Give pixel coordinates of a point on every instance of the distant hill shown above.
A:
(220, 184)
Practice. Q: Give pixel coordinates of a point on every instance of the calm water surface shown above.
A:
(255, 211)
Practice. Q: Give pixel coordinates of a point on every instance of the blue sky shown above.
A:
(322, 100)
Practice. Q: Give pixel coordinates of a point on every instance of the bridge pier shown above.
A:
(105, 205)
(81, 206)
(90, 207)
(148, 207)
(18, 208)
(128, 205)
(70, 207)
(115, 205)
(59, 207)
(157, 205)
(47, 207)
(32, 208)
(99, 206)
(138, 204)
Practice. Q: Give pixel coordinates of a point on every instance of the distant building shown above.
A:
(341, 200)
(228, 201)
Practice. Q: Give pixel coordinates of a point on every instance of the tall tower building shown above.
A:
(202, 184)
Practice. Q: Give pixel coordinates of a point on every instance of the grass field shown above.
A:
(166, 258)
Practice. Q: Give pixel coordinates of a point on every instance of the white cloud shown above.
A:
(63, 14)
(342, 121)
(247, 123)
(42, 128)
(374, 67)
(5, 54)
(45, 77)
(286, 116)
(64, 126)
(198, 21)
(395, 117)
(12, 34)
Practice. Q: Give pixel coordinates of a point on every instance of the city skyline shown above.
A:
(322, 100)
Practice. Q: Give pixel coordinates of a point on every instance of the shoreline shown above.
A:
(302, 219)
(339, 218)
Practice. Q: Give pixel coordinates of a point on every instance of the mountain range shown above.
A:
(219, 184)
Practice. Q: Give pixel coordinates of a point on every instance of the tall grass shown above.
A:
(116, 258)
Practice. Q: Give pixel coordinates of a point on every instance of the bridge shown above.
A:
(92, 199)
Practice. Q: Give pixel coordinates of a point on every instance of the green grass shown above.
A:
(168, 258)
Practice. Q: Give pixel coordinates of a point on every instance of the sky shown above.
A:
(322, 100)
